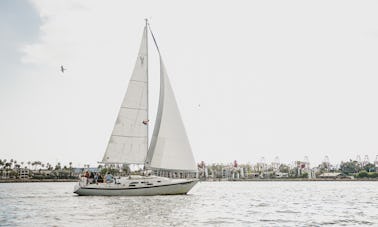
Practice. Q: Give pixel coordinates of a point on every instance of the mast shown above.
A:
(146, 30)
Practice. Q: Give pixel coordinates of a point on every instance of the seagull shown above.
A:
(62, 69)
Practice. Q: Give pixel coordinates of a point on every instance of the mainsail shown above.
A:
(129, 140)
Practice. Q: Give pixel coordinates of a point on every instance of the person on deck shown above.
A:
(109, 178)
(91, 177)
(86, 175)
(95, 178)
(100, 179)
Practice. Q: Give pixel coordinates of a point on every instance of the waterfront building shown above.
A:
(241, 170)
(312, 173)
(276, 164)
(303, 167)
(42, 173)
(23, 173)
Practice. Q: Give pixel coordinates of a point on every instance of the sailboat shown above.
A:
(169, 164)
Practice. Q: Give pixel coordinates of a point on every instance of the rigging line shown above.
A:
(153, 37)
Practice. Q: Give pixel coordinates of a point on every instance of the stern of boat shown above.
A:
(78, 185)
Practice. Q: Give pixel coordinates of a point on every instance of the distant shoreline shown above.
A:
(36, 180)
(208, 180)
(293, 179)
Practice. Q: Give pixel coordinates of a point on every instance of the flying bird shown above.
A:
(62, 69)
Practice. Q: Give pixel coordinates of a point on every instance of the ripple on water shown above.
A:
(345, 222)
(288, 211)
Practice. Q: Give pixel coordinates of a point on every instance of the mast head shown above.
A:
(146, 21)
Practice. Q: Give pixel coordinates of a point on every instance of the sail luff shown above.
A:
(155, 133)
(128, 142)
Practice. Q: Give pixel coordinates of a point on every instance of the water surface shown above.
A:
(208, 204)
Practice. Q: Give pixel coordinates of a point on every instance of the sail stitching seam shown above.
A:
(125, 107)
(131, 136)
(139, 81)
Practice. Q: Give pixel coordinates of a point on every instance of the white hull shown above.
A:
(141, 186)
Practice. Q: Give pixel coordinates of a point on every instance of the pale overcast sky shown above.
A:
(252, 78)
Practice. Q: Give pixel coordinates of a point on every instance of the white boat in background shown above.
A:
(169, 157)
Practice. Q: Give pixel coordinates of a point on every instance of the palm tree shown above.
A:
(8, 165)
(70, 168)
(4, 162)
(1, 169)
(38, 163)
(58, 166)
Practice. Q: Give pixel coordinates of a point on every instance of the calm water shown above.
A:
(208, 204)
